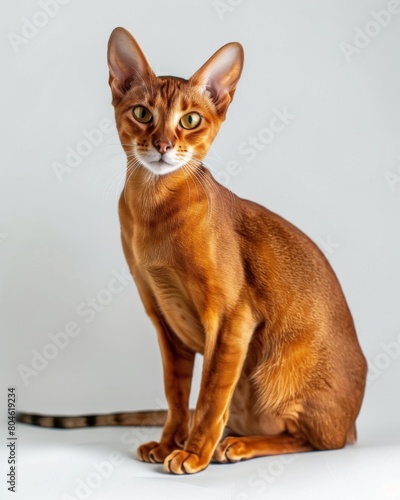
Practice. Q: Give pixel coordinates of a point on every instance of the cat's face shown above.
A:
(166, 123)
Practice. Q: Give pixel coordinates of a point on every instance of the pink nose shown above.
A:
(163, 146)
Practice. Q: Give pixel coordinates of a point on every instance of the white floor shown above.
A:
(100, 463)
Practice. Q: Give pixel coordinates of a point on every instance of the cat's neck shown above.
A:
(153, 198)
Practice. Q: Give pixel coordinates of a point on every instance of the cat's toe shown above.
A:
(154, 452)
(183, 462)
(230, 449)
(143, 452)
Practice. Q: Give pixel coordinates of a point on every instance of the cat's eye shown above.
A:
(142, 114)
(189, 121)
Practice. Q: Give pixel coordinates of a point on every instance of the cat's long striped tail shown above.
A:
(151, 418)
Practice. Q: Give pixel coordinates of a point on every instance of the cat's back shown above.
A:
(268, 231)
(280, 260)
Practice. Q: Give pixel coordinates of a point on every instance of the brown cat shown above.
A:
(221, 276)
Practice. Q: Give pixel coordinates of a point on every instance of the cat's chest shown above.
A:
(173, 297)
(156, 247)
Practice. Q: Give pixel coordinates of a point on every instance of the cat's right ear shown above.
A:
(126, 62)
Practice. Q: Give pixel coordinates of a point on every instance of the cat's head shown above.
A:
(167, 122)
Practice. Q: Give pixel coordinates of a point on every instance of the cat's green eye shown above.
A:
(189, 121)
(142, 114)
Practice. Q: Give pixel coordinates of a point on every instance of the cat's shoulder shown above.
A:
(256, 222)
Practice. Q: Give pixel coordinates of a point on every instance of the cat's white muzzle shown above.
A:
(160, 164)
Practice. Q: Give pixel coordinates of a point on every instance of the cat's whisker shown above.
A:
(124, 179)
(231, 194)
(119, 143)
(130, 171)
(109, 186)
(212, 158)
(215, 186)
(132, 167)
(195, 185)
(215, 154)
(112, 136)
(116, 179)
(207, 191)
(212, 189)
(113, 145)
(204, 186)
(103, 167)
(152, 88)
(109, 157)
(99, 176)
(208, 165)
(137, 75)
(188, 186)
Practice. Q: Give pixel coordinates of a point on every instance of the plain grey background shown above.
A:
(333, 170)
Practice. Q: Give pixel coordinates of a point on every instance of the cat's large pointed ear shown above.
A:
(126, 62)
(220, 75)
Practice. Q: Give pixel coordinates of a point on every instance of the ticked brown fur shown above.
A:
(218, 275)
(222, 276)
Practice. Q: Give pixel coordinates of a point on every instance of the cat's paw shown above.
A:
(183, 462)
(230, 449)
(155, 452)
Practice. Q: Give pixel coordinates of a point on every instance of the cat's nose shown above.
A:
(163, 146)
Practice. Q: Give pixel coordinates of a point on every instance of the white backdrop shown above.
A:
(331, 68)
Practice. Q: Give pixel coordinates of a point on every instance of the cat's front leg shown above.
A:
(178, 364)
(224, 355)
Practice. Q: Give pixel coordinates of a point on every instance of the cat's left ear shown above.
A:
(220, 75)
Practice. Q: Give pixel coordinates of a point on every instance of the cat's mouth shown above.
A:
(158, 163)
(161, 165)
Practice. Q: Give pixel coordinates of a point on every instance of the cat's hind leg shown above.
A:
(234, 449)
